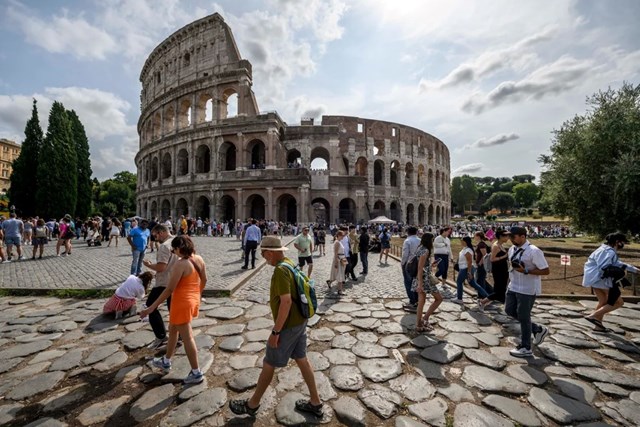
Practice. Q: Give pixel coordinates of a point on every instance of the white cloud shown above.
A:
(500, 139)
(470, 168)
(63, 33)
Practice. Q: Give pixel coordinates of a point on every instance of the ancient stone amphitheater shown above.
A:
(207, 151)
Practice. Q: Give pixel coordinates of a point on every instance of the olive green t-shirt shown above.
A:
(283, 283)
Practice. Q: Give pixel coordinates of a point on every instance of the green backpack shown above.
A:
(307, 302)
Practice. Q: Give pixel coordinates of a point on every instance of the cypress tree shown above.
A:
(85, 185)
(22, 192)
(57, 170)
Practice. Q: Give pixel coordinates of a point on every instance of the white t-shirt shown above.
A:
(442, 246)
(131, 288)
(462, 257)
(530, 257)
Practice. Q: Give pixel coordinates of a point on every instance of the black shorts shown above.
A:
(305, 259)
(292, 345)
(614, 294)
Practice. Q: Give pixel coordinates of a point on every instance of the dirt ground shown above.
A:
(579, 250)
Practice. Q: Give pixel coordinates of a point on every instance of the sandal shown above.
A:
(599, 327)
(241, 407)
(306, 406)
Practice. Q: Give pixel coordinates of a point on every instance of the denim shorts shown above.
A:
(292, 345)
(12, 240)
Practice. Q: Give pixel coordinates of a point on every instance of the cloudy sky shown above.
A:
(490, 79)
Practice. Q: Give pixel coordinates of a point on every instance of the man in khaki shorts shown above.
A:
(288, 339)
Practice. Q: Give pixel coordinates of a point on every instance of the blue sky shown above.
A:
(490, 79)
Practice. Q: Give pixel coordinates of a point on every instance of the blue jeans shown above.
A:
(364, 259)
(481, 279)
(408, 281)
(136, 264)
(443, 265)
(462, 275)
(519, 307)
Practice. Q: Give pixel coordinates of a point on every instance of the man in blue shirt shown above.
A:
(252, 238)
(138, 238)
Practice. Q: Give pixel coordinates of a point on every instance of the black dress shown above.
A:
(500, 272)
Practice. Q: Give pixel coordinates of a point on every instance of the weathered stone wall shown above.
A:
(198, 158)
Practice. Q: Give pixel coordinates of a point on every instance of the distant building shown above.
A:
(9, 151)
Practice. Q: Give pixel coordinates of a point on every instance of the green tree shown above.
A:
(502, 201)
(23, 176)
(81, 143)
(524, 178)
(463, 192)
(117, 195)
(592, 173)
(525, 194)
(57, 172)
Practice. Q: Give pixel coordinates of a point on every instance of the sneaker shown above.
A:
(538, 337)
(457, 301)
(193, 378)
(133, 310)
(160, 362)
(306, 406)
(6, 261)
(20, 258)
(157, 343)
(521, 352)
(118, 315)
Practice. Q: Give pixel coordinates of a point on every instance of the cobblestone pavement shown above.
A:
(106, 267)
(61, 363)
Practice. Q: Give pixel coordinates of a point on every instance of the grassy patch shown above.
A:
(58, 293)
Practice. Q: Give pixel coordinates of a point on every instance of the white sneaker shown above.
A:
(457, 301)
(118, 315)
(540, 336)
(521, 352)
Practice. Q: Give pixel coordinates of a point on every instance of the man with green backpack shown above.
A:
(292, 300)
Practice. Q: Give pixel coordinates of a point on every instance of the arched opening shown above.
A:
(393, 174)
(320, 159)
(438, 186)
(165, 209)
(378, 148)
(184, 114)
(287, 208)
(154, 209)
(421, 214)
(230, 99)
(227, 209)
(378, 172)
(257, 152)
(227, 157)
(144, 209)
(361, 166)
(203, 159)
(421, 179)
(256, 205)
(408, 174)
(154, 169)
(157, 126)
(438, 217)
(411, 214)
(395, 212)
(148, 133)
(321, 209)
(379, 209)
(183, 163)
(182, 208)
(430, 183)
(294, 159)
(431, 218)
(166, 166)
(202, 207)
(347, 211)
(169, 119)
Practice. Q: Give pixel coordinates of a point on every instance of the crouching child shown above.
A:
(124, 299)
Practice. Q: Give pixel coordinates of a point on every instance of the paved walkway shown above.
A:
(63, 363)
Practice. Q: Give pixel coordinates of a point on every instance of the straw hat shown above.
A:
(272, 243)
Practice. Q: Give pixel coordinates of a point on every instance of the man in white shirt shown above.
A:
(409, 249)
(442, 254)
(346, 244)
(527, 265)
(304, 244)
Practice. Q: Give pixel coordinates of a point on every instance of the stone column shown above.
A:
(194, 116)
(240, 204)
(269, 210)
(361, 209)
(302, 215)
(174, 164)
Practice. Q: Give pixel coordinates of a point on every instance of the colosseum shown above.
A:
(206, 150)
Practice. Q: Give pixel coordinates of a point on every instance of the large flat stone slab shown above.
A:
(608, 376)
(180, 367)
(349, 412)
(489, 380)
(560, 408)
(527, 374)
(226, 330)
(225, 313)
(346, 307)
(380, 400)
(470, 415)
(567, 355)
(514, 409)
(101, 411)
(64, 397)
(101, 353)
(484, 358)
(456, 393)
(287, 415)
(138, 339)
(432, 411)
(244, 380)
(339, 356)
(346, 377)
(460, 326)
(575, 389)
(380, 370)
(344, 341)
(442, 353)
(153, 402)
(462, 340)
(368, 350)
(35, 385)
(71, 359)
(27, 349)
(203, 405)
(8, 412)
(413, 387)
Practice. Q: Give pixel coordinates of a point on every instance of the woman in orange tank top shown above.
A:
(187, 281)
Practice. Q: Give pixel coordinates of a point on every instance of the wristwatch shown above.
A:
(274, 332)
(526, 271)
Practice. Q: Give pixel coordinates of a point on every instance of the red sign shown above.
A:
(565, 259)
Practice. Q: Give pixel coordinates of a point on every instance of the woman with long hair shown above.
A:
(465, 264)
(422, 283)
(186, 283)
(480, 251)
(339, 264)
(499, 268)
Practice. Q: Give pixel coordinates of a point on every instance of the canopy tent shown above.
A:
(381, 220)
